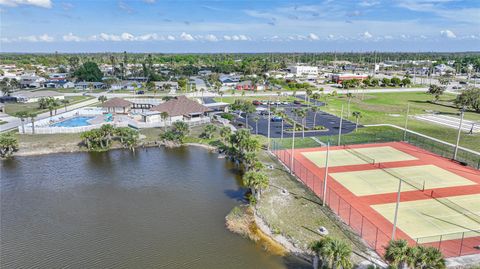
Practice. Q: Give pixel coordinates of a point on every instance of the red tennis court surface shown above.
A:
(440, 199)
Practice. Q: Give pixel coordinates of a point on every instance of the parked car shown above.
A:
(277, 119)
(264, 112)
(297, 102)
(285, 103)
(256, 103)
(141, 92)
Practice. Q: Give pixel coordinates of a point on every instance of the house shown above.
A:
(443, 69)
(338, 78)
(117, 105)
(303, 70)
(31, 81)
(58, 77)
(179, 108)
(248, 85)
(126, 85)
(87, 85)
(31, 97)
(68, 85)
(229, 81)
(162, 85)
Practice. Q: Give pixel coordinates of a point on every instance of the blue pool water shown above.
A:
(73, 122)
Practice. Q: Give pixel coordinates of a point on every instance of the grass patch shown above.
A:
(12, 108)
(390, 108)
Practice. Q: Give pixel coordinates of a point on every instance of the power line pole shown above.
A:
(324, 199)
(459, 132)
(268, 130)
(340, 128)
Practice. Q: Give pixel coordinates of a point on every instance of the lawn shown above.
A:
(390, 108)
(12, 108)
(231, 99)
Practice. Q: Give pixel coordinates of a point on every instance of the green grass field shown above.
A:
(12, 108)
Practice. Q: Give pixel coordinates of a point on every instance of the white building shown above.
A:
(303, 70)
(31, 97)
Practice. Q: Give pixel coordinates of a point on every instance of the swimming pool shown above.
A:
(73, 122)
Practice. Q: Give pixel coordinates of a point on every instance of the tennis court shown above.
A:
(350, 156)
(379, 181)
(439, 202)
(431, 218)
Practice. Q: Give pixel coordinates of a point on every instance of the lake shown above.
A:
(157, 208)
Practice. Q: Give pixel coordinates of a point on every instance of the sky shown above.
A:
(197, 26)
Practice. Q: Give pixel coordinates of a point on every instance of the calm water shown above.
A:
(161, 208)
(74, 122)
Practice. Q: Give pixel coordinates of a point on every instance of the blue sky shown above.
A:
(238, 25)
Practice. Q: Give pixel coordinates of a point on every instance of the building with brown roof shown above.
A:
(117, 105)
(178, 108)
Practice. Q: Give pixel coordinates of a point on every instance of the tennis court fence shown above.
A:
(382, 134)
(374, 236)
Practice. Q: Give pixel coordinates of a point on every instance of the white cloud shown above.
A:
(37, 3)
(127, 37)
(211, 38)
(227, 37)
(70, 37)
(150, 1)
(170, 37)
(366, 3)
(313, 36)
(186, 37)
(367, 35)
(448, 34)
(34, 38)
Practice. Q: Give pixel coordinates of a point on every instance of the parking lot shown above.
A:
(330, 121)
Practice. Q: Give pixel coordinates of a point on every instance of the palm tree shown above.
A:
(22, 115)
(357, 115)
(102, 98)
(334, 253)
(164, 115)
(65, 102)
(256, 182)
(315, 110)
(221, 96)
(283, 115)
(302, 114)
(397, 253)
(255, 119)
(225, 132)
(434, 258)
(349, 96)
(32, 117)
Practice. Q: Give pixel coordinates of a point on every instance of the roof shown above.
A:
(117, 102)
(25, 94)
(85, 83)
(180, 105)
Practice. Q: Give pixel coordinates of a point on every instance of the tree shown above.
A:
(5, 86)
(225, 132)
(65, 102)
(386, 82)
(406, 82)
(315, 110)
(256, 181)
(164, 115)
(333, 253)
(301, 113)
(357, 115)
(181, 129)
(128, 137)
(395, 81)
(32, 117)
(397, 253)
(89, 71)
(102, 98)
(8, 145)
(22, 115)
(208, 131)
(469, 98)
(436, 91)
(255, 119)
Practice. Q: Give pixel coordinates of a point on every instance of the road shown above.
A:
(13, 124)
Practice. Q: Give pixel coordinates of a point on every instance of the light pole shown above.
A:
(268, 130)
(396, 208)
(340, 128)
(326, 176)
(462, 113)
(406, 123)
(293, 147)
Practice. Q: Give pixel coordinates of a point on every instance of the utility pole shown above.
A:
(462, 113)
(268, 130)
(406, 123)
(340, 128)
(324, 199)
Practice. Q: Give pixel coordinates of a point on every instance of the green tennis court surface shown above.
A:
(379, 181)
(429, 219)
(347, 156)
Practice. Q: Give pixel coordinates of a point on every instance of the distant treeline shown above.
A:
(248, 63)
